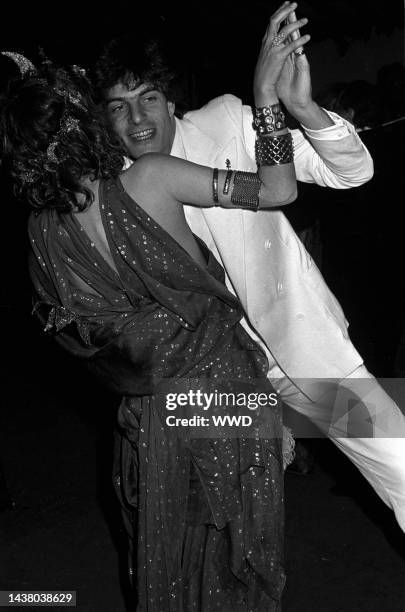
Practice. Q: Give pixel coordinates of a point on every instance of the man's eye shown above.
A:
(150, 98)
(116, 109)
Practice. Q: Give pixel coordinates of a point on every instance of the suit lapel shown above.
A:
(222, 232)
(200, 148)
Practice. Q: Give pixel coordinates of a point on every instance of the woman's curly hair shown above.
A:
(52, 135)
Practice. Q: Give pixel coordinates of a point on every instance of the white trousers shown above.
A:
(379, 451)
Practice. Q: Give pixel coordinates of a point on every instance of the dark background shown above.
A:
(216, 41)
(214, 46)
(55, 424)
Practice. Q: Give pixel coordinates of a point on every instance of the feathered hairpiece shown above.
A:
(67, 122)
(24, 64)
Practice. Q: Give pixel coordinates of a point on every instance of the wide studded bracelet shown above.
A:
(267, 119)
(245, 190)
(274, 150)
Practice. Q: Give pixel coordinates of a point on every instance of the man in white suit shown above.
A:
(289, 309)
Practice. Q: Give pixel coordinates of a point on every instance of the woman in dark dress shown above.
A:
(122, 283)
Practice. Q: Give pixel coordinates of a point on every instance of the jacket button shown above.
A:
(267, 244)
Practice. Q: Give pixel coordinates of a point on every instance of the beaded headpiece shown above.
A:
(67, 122)
(24, 64)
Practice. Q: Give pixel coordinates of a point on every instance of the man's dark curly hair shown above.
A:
(127, 61)
(34, 112)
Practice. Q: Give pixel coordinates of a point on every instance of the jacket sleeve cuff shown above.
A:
(339, 130)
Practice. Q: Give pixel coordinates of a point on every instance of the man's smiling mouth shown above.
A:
(142, 135)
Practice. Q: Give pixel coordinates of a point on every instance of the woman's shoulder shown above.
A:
(145, 162)
(147, 170)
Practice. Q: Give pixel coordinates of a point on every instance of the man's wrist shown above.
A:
(266, 98)
(310, 115)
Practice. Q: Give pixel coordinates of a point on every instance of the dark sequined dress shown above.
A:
(207, 511)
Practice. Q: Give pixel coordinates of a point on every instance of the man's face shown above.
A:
(142, 118)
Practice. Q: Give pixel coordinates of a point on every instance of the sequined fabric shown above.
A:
(208, 511)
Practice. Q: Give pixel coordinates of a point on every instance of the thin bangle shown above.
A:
(215, 185)
(227, 182)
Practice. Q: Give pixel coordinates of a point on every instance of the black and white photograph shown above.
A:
(203, 306)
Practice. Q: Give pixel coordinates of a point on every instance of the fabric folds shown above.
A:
(205, 512)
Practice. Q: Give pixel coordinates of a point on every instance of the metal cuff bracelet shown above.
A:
(245, 190)
(274, 150)
(267, 119)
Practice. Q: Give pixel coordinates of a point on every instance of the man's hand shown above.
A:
(278, 44)
(294, 84)
(294, 87)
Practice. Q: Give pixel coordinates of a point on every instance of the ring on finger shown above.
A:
(278, 40)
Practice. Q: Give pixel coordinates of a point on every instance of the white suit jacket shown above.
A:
(298, 320)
